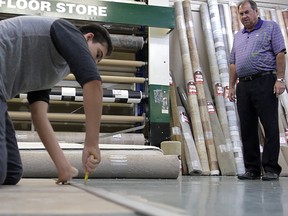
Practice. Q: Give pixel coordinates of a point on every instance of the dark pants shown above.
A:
(256, 100)
(10, 161)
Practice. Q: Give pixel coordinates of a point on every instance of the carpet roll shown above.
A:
(79, 137)
(118, 161)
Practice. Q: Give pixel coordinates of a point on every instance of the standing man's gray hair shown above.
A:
(251, 2)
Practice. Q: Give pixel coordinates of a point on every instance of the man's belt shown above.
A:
(255, 76)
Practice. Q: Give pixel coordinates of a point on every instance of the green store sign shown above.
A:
(102, 11)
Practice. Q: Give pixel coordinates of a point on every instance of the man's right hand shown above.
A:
(232, 96)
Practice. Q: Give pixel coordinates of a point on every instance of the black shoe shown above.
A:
(270, 176)
(249, 176)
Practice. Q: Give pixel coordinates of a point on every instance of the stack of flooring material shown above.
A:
(118, 161)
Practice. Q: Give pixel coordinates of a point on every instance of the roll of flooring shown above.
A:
(285, 18)
(192, 157)
(234, 18)
(194, 111)
(127, 42)
(284, 150)
(76, 94)
(224, 75)
(79, 137)
(118, 161)
(214, 73)
(282, 162)
(200, 84)
(176, 134)
(171, 147)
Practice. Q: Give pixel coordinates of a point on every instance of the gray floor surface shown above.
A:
(213, 196)
(187, 195)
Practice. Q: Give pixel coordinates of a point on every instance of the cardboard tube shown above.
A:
(114, 79)
(116, 62)
(67, 117)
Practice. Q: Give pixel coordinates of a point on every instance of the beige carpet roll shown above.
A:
(171, 148)
(114, 79)
(235, 18)
(68, 117)
(125, 63)
(127, 42)
(79, 137)
(118, 161)
(284, 150)
(176, 134)
(282, 162)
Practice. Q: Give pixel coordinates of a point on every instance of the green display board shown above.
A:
(102, 11)
(159, 114)
(159, 103)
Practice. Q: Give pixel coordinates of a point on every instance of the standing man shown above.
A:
(35, 54)
(258, 61)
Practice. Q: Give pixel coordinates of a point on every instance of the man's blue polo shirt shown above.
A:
(255, 52)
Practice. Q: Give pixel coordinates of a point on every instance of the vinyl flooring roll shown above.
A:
(285, 18)
(224, 30)
(191, 154)
(228, 21)
(282, 162)
(191, 89)
(218, 91)
(281, 116)
(234, 18)
(284, 103)
(273, 15)
(200, 85)
(224, 75)
(117, 162)
(176, 133)
(225, 153)
(284, 30)
(268, 14)
(284, 150)
(262, 14)
(190, 150)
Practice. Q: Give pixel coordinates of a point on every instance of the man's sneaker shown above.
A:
(249, 176)
(269, 176)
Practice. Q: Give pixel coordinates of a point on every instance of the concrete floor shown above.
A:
(187, 195)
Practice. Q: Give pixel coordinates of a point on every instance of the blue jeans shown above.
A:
(10, 161)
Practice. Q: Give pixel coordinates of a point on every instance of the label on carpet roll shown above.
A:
(211, 108)
(191, 88)
(198, 77)
(226, 92)
(219, 89)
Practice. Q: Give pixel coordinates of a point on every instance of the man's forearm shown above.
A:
(93, 95)
(280, 65)
(232, 76)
